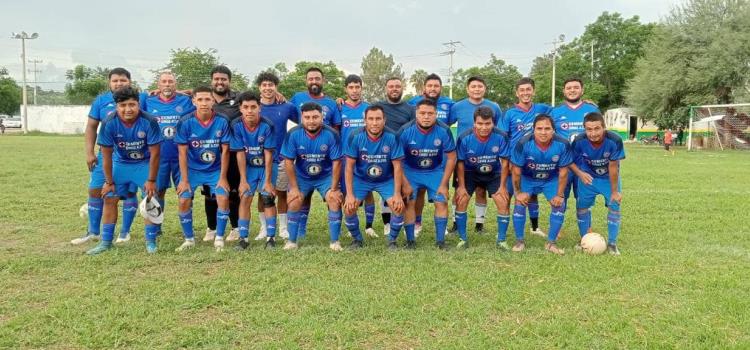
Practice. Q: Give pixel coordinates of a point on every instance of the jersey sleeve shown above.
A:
(270, 139)
(461, 153)
(335, 149)
(498, 114)
(618, 152)
(452, 115)
(350, 150)
(105, 136)
(336, 116)
(504, 123)
(154, 133)
(397, 152)
(183, 134)
(288, 149)
(504, 147)
(94, 110)
(448, 144)
(235, 141)
(566, 157)
(226, 134)
(516, 156)
(187, 107)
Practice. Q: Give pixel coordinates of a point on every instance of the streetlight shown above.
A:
(23, 37)
(559, 40)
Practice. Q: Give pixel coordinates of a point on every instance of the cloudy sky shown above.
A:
(251, 35)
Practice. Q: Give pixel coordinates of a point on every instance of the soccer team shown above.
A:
(234, 145)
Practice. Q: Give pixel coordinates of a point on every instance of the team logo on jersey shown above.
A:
(485, 168)
(386, 149)
(141, 134)
(414, 152)
(256, 161)
(374, 171)
(218, 133)
(425, 163)
(437, 142)
(472, 159)
(564, 126)
(195, 143)
(121, 144)
(495, 149)
(520, 127)
(444, 106)
(606, 154)
(531, 166)
(136, 155)
(600, 171)
(110, 113)
(323, 148)
(541, 176)
(178, 109)
(261, 138)
(364, 157)
(155, 111)
(346, 123)
(314, 169)
(208, 157)
(555, 158)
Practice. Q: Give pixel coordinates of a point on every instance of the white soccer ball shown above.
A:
(593, 243)
(84, 211)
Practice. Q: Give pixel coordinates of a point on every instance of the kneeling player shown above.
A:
(483, 163)
(253, 140)
(312, 156)
(373, 164)
(598, 153)
(130, 142)
(541, 161)
(203, 144)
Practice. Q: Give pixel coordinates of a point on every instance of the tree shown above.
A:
(417, 79)
(85, 84)
(10, 93)
(499, 77)
(192, 67)
(377, 68)
(294, 81)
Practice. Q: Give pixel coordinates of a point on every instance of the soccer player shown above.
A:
(373, 164)
(433, 88)
(253, 141)
(312, 156)
(103, 107)
(518, 122)
(597, 167)
(540, 165)
(483, 163)
(429, 159)
(279, 114)
(130, 142)
(167, 107)
(203, 144)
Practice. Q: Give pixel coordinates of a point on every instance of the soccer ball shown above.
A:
(84, 211)
(593, 243)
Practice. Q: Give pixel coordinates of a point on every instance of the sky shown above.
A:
(251, 36)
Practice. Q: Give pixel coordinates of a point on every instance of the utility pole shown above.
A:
(23, 37)
(35, 71)
(557, 41)
(451, 45)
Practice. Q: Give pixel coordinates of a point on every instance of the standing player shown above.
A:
(312, 156)
(203, 144)
(483, 163)
(540, 165)
(518, 121)
(429, 159)
(253, 141)
(373, 164)
(168, 107)
(433, 88)
(130, 141)
(597, 167)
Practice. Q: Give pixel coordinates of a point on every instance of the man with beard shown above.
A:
(433, 87)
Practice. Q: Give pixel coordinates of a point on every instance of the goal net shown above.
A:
(719, 127)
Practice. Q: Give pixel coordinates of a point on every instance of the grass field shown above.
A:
(683, 280)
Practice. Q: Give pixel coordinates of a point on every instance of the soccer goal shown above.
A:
(719, 127)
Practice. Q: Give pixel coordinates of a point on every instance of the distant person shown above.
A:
(680, 135)
(2, 127)
(668, 142)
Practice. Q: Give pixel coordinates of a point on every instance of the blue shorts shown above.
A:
(586, 195)
(97, 174)
(255, 178)
(169, 174)
(363, 187)
(128, 178)
(429, 180)
(532, 186)
(572, 185)
(198, 178)
(322, 185)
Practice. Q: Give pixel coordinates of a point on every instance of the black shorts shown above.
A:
(666, 146)
(490, 182)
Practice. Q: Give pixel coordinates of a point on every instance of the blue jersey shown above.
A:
(483, 156)
(541, 164)
(352, 118)
(313, 155)
(252, 141)
(130, 142)
(518, 121)
(595, 160)
(203, 140)
(569, 120)
(279, 114)
(168, 113)
(374, 156)
(463, 113)
(444, 105)
(424, 150)
(331, 115)
(104, 105)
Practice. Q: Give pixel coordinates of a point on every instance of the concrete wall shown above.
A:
(58, 119)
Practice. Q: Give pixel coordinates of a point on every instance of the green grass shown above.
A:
(682, 281)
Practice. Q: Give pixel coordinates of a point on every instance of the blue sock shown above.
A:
(418, 220)
(129, 209)
(502, 227)
(95, 215)
(409, 230)
(396, 223)
(613, 223)
(302, 222)
(244, 225)
(461, 223)
(369, 214)
(186, 221)
(556, 219)
(152, 231)
(533, 210)
(222, 216)
(161, 203)
(519, 220)
(334, 224)
(584, 221)
(270, 226)
(440, 224)
(108, 232)
(292, 225)
(352, 224)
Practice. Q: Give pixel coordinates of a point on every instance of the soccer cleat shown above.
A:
(392, 245)
(441, 245)
(462, 244)
(210, 235)
(335, 246)
(612, 249)
(552, 248)
(270, 243)
(538, 232)
(284, 234)
(102, 247)
(417, 228)
(233, 235)
(386, 230)
(84, 239)
(503, 245)
(479, 228)
(356, 244)
(290, 245)
(370, 232)
(151, 247)
(519, 246)
(187, 244)
(124, 237)
(411, 245)
(219, 244)
(242, 244)
(262, 234)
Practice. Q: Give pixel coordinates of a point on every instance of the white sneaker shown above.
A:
(349, 233)
(84, 239)
(188, 244)
(233, 235)
(121, 239)
(371, 232)
(290, 246)
(386, 230)
(335, 246)
(262, 234)
(210, 235)
(538, 232)
(219, 244)
(284, 234)
(417, 229)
